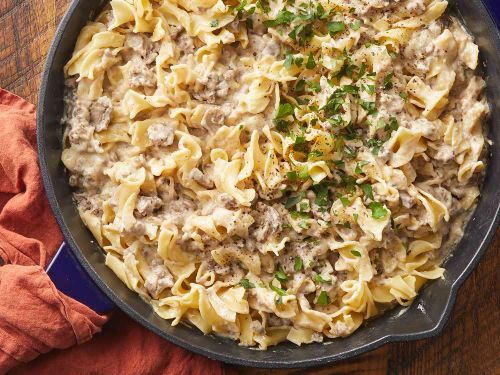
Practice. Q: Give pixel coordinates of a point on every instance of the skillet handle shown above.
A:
(70, 278)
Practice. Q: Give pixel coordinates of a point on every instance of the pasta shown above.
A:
(271, 170)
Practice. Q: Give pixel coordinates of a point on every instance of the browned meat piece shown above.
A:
(74, 180)
(158, 279)
(139, 43)
(227, 201)
(79, 113)
(140, 74)
(185, 44)
(406, 199)
(213, 86)
(137, 229)
(266, 45)
(100, 113)
(201, 178)
(161, 134)
(89, 203)
(146, 205)
(267, 222)
(175, 31)
(80, 135)
(214, 116)
(176, 211)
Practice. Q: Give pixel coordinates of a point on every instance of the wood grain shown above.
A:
(470, 343)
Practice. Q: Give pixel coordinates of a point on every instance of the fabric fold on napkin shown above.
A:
(35, 318)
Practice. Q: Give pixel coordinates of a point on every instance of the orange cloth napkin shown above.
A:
(35, 318)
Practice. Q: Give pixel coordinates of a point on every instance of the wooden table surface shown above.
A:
(470, 343)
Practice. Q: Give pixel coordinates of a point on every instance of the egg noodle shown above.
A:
(274, 170)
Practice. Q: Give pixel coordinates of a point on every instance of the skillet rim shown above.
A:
(209, 351)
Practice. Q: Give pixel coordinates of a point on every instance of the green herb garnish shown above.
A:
(298, 264)
(378, 210)
(344, 201)
(292, 176)
(356, 25)
(310, 64)
(370, 89)
(247, 284)
(323, 299)
(369, 107)
(359, 167)
(356, 253)
(293, 200)
(284, 110)
(277, 290)
(367, 190)
(318, 279)
(284, 16)
(388, 81)
(281, 275)
(335, 27)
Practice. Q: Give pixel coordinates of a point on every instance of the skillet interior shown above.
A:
(426, 316)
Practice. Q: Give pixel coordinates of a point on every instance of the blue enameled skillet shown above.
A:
(79, 268)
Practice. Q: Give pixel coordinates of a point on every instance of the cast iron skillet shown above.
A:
(425, 318)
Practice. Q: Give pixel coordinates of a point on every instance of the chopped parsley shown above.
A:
(277, 290)
(284, 110)
(283, 17)
(281, 275)
(367, 190)
(375, 144)
(300, 85)
(393, 124)
(321, 191)
(292, 176)
(318, 279)
(303, 224)
(335, 27)
(345, 202)
(387, 85)
(356, 25)
(304, 206)
(350, 89)
(359, 167)
(214, 23)
(304, 173)
(298, 264)
(240, 9)
(247, 284)
(404, 96)
(323, 299)
(314, 86)
(369, 107)
(293, 200)
(378, 210)
(356, 253)
(314, 154)
(290, 59)
(301, 33)
(370, 89)
(349, 152)
(310, 64)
